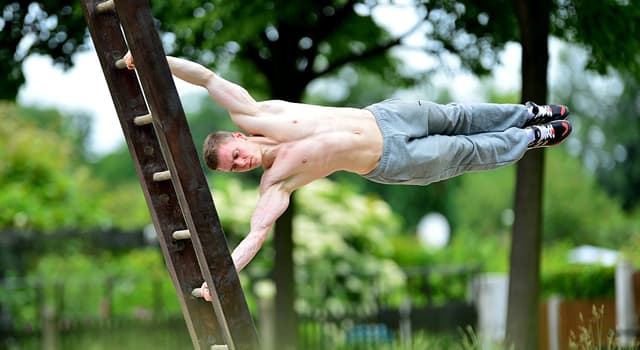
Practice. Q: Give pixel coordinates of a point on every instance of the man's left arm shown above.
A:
(272, 204)
(273, 201)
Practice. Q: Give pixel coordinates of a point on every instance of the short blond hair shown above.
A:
(211, 146)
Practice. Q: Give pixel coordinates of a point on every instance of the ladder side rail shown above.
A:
(161, 198)
(188, 178)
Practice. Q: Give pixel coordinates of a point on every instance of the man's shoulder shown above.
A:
(273, 105)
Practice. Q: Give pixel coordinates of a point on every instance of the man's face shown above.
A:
(238, 155)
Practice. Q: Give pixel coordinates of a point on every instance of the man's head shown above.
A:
(231, 151)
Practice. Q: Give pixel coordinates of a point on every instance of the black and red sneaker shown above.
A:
(545, 113)
(550, 134)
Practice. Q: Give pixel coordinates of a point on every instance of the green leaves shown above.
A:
(607, 28)
(54, 28)
(40, 187)
(581, 282)
(343, 249)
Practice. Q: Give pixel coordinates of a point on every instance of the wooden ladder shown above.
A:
(170, 174)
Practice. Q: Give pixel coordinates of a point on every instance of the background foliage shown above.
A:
(44, 186)
(352, 237)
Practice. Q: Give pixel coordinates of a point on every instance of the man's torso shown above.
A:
(315, 141)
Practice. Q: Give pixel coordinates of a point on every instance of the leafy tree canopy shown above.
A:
(606, 28)
(283, 46)
(302, 40)
(50, 27)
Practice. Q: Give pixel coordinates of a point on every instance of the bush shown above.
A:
(342, 250)
(42, 186)
(575, 209)
(580, 282)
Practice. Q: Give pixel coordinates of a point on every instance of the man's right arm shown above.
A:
(231, 96)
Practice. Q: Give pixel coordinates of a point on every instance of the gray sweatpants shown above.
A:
(425, 142)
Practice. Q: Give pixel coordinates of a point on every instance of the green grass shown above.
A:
(133, 335)
(172, 334)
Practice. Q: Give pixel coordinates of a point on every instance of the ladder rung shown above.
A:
(162, 176)
(181, 234)
(105, 6)
(143, 119)
(197, 292)
(121, 64)
(155, 148)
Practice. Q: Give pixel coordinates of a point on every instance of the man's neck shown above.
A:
(269, 155)
(268, 149)
(262, 140)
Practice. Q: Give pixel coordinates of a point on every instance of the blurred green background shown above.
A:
(75, 242)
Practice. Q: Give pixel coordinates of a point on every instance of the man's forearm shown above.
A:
(191, 72)
(248, 248)
(272, 203)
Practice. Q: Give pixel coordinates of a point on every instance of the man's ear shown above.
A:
(239, 135)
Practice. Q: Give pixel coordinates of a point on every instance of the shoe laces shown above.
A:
(544, 111)
(546, 132)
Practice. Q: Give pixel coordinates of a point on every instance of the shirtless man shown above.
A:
(394, 141)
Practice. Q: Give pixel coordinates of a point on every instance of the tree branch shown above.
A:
(372, 52)
(332, 22)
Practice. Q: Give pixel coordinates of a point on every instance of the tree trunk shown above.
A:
(524, 275)
(286, 321)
